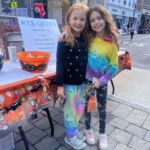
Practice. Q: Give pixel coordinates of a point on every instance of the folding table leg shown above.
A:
(50, 121)
(113, 87)
(23, 137)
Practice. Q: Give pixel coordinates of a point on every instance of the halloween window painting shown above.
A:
(40, 9)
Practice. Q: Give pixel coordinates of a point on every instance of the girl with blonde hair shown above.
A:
(70, 72)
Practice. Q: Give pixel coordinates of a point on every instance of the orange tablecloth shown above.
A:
(23, 95)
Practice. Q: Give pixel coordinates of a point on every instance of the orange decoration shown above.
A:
(10, 122)
(124, 61)
(13, 116)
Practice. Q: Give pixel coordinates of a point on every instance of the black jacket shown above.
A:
(71, 63)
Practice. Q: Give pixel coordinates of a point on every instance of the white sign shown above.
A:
(39, 34)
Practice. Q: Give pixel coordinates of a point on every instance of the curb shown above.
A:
(126, 34)
(129, 103)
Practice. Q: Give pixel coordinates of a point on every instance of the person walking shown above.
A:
(102, 66)
(132, 29)
(70, 72)
(128, 28)
(119, 26)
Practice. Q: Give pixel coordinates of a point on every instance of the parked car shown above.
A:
(124, 29)
(142, 30)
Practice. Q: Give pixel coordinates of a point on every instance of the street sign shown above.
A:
(14, 4)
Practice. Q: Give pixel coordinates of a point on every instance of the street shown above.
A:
(139, 49)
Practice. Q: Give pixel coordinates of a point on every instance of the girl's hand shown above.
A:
(96, 83)
(61, 36)
(61, 92)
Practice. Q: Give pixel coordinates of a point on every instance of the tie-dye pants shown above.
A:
(73, 108)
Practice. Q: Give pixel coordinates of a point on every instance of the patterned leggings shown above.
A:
(101, 94)
(73, 108)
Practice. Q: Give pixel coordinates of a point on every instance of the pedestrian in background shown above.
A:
(119, 26)
(128, 28)
(70, 72)
(132, 29)
(102, 66)
(145, 27)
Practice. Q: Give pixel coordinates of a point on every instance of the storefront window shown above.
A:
(124, 2)
(15, 7)
(14, 3)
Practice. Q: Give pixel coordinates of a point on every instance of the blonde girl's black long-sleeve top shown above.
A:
(71, 63)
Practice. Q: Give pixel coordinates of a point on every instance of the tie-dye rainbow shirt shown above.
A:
(102, 60)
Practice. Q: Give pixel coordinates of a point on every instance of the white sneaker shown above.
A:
(90, 137)
(103, 142)
(81, 136)
(75, 143)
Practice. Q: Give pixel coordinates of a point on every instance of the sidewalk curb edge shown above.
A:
(129, 103)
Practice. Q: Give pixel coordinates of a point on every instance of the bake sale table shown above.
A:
(23, 94)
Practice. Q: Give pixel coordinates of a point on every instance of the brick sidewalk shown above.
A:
(127, 129)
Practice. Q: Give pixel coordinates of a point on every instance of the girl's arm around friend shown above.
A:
(60, 68)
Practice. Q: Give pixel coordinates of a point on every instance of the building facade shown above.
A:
(101, 2)
(144, 7)
(26, 8)
(124, 12)
(14, 7)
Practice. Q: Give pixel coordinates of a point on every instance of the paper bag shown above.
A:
(92, 104)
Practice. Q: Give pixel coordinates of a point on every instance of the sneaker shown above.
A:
(90, 137)
(103, 142)
(75, 143)
(81, 136)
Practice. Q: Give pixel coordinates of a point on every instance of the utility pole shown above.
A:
(134, 12)
(0, 7)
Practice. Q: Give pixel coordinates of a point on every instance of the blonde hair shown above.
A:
(70, 40)
(109, 27)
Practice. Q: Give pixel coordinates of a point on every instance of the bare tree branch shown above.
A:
(61, 4)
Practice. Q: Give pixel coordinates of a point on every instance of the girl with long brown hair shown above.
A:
(102, 66)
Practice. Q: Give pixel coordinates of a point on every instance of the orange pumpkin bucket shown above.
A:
(34, 61)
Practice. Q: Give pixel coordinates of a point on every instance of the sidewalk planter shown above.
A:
(34, 61)
(7, 142)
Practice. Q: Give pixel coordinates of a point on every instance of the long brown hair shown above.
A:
(109, 27)
(70, 40)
